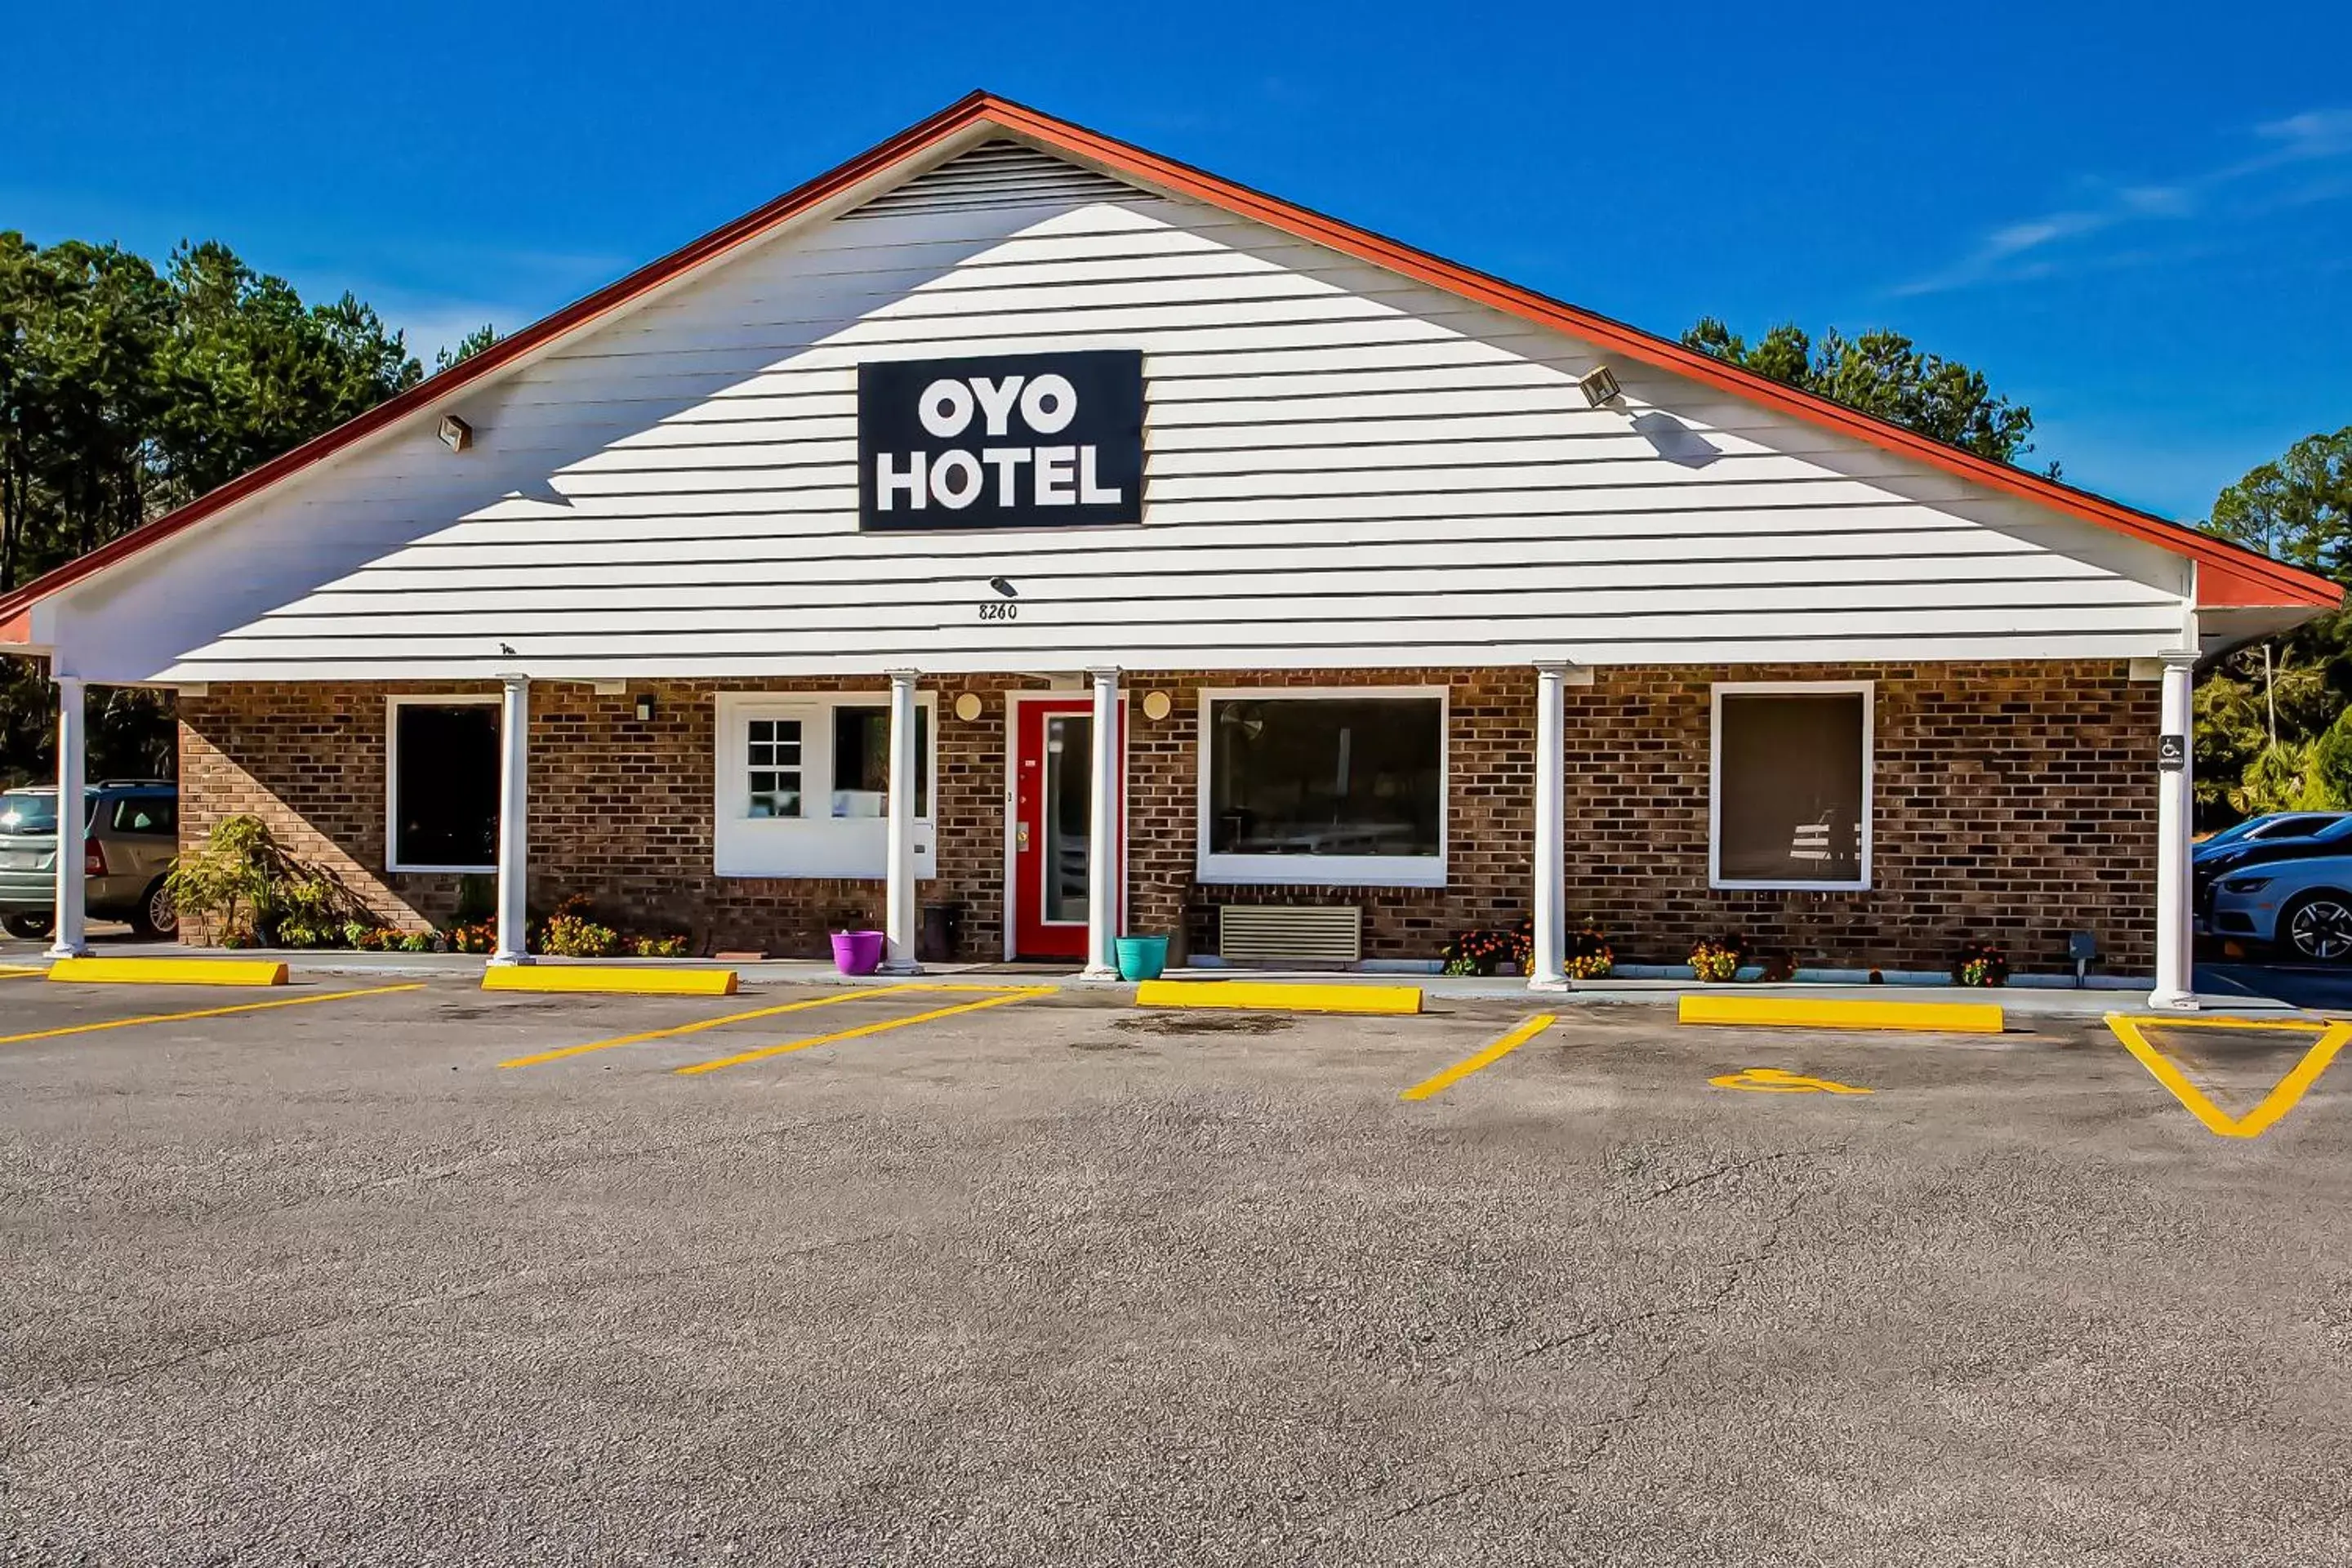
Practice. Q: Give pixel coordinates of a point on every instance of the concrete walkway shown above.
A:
(2037, 997)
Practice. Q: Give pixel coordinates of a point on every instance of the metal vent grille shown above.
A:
(999, 173)
(1296, 933)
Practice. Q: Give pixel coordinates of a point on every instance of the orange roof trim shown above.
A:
(2227, 575)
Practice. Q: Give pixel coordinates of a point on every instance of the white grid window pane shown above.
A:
(772, 756)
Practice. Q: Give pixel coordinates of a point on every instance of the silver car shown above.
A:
(133, 832)
(2301, 908)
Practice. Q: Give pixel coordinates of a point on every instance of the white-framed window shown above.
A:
(441, 783)
(800, 784)
(1789, 791)
(1324, 786)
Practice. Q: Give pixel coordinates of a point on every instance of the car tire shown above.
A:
(156, 920)
(2318, 927)
(32, 928)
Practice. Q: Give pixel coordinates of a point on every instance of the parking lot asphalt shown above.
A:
(1041, 1279)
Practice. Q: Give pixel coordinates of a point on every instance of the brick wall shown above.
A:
(2013, 801)
(620, 810)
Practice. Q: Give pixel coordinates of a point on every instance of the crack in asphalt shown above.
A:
(524, 1283)
(1736, 1272)
(1736, 1165)
(521, 1164)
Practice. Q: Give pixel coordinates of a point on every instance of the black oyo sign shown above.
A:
(1013, 441)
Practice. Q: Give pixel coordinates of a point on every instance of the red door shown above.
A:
(1053, 801)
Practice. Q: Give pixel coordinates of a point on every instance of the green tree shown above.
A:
(469, 345)
(1886, 374)
(126, 392)
(2272, 718)
(2298, 509)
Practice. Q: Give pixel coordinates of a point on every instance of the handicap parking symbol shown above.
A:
(1772, 1080)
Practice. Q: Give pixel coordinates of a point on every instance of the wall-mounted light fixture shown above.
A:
(455, 433)
(1005, 587)
(1158, 705)
(644, 707)
(968, 706)
(1600, 386)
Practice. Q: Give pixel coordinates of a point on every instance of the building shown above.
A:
(1117, 504)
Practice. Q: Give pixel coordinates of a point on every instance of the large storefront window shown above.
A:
(442, 803)
(1344, 787)
(861, 761)
(802, 786)
(1792, 785)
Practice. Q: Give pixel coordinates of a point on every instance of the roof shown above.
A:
(2228, 575)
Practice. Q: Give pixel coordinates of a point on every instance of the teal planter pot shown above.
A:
(1141, 957)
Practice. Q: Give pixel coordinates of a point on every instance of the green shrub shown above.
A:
(1714, 961)
(481, 936)
(226, 883)
(478, 900)
(572, 933)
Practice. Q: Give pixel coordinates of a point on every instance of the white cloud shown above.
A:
(2314, 133)
(2023, 250)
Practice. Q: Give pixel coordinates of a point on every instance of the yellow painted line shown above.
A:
(170, 971)
(1830, 1013)
(696, 1027)
(586, 979)
(2282, 1098)
(1772, 1080)
(862, 1030)
(1486, 1058)
(208, 1012)
(1278, 996)
(12, 971)
(2213, 1021)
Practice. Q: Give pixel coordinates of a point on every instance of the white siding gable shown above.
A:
(1345, 467)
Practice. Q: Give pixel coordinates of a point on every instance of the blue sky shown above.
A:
(2138, 221)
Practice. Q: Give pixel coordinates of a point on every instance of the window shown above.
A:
(861, 761)
(1792, 785)
(442, 803)
(157, 814)
(23, 812)
(1324, 788)
(803, 787)
(772, 753)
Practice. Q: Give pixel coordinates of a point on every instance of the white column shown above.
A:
(2175, 935)
(1105, 855)
(1547, 973)
(899, 915)
(68, 939)
(514, 822)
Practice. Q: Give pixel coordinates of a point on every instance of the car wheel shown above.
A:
(155, 916)
(32, 928)
(2319, 927)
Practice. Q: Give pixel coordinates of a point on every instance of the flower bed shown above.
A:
(1511, 950)
(1715, 961)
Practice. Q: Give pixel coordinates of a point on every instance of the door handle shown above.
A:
(1020, 837)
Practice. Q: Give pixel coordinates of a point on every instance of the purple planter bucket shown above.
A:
(857, 952)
